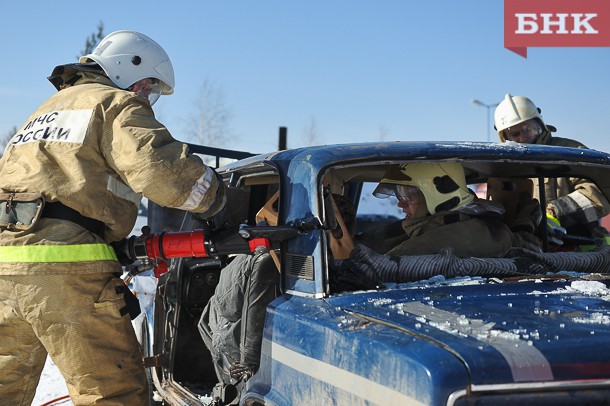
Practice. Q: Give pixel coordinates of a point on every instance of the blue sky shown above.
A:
(359, 69)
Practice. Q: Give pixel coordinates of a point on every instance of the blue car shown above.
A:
(464, 334)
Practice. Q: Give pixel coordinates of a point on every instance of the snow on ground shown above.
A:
(51, 386)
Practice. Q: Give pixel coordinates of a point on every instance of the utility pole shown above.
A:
(283, 139)
(488, 107)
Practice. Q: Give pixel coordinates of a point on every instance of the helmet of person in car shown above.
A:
(128, 57)
(515, 110)
(443, 184)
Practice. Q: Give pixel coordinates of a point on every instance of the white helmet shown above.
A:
(514, 110)
(443, 184)
(129, 56)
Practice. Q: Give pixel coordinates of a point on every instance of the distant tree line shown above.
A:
(93, 40)
(5, 138)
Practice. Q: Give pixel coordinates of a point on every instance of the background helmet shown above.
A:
(129, 56)
(514, 110)
(443, 184)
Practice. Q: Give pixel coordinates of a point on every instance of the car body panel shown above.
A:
(420, 345)
(511, 332)
(345, 358)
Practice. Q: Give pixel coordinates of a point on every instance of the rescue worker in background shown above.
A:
(71, 181)
(577, 203)
(442, 212)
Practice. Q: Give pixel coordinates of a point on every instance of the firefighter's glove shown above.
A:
(528, 215)
(240, 372)
(219, 219)
(217, 214)
(121, 248)
(556, 233)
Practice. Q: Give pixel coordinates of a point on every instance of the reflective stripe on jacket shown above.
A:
(574, 201)
(57, 253)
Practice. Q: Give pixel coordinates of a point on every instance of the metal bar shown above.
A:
(218, 152)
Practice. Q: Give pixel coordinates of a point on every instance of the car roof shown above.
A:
(481, 160)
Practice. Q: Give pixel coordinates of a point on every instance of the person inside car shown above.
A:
(576, 203)
(441, 212)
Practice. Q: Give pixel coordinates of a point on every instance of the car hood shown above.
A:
(502, 332)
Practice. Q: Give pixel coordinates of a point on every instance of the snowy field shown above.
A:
(52, 386)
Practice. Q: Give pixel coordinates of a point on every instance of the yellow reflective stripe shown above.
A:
(57, 253)
(553, 219)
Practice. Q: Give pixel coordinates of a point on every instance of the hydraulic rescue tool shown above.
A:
(156, 248)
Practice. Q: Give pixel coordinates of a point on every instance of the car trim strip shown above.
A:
(355, 384)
